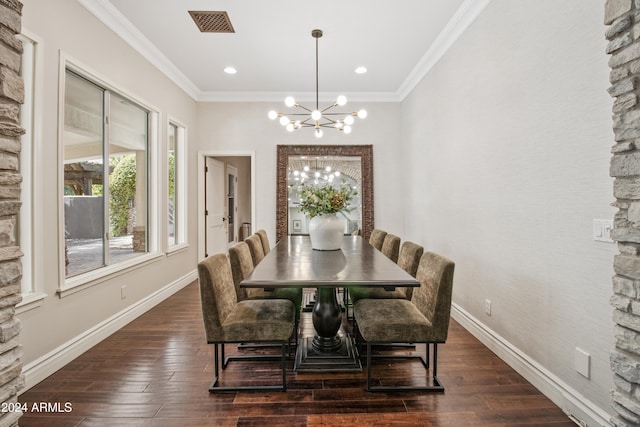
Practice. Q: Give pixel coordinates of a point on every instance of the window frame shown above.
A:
(30, 224)
(71, 285)
(180, 187)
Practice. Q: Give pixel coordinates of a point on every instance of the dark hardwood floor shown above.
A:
(156, 372)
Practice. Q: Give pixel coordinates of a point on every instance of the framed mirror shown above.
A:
(347, 157)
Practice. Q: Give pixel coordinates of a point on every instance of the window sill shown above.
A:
(30, 301)
(92, 278)
(175, 249)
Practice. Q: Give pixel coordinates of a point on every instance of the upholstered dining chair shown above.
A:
(376, 239)
(424, 319)
(408, 260)
(391, 247)
(242, 265)
(266, 247)
(227, 320)
(255, 246)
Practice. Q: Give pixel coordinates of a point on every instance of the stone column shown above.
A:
(11, 96)
(623, 33)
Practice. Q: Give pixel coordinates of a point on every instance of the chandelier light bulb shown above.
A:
(348, 120)
(290, 127)
(338, 124)
(362, 114)
(316, 115)
(284, 120)
(347, 129)
(273, 115)
(289, 101)
(318, 133)
(342, 100)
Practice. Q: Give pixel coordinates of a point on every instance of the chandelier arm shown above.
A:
(304, 108)
(295, 114)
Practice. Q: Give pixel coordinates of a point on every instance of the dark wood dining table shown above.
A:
(293, 263)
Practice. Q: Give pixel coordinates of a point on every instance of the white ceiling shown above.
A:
(274, 52)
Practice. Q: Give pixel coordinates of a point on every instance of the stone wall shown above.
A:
(623, 33)
(11, 96)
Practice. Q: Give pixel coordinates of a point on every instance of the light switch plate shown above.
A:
(602, 230)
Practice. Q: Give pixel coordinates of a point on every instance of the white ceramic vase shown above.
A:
(326, 232)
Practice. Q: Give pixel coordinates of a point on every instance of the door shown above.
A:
(232, 204)
(215, 213)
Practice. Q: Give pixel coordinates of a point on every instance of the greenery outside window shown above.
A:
(175, 201)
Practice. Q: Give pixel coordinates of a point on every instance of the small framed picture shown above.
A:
(297, 225)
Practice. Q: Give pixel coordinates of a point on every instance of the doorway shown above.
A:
(226, 200)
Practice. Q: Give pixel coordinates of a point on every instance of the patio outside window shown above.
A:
(105, 176)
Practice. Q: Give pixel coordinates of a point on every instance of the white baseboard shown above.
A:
(46, 365)
(582, 411)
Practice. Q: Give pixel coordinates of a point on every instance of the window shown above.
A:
(176, 177)
(26, 228)
(106, 200)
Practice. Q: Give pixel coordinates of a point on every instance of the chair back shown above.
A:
(377, 238)
(391, 247)
(433, 297)
(266, 247)
(255, 246)
(409, 257)
(217, 294)
(408, 260)
(241, 266)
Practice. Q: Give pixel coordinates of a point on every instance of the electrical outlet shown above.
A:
(582, 362)
(487, 307)
(123, 292)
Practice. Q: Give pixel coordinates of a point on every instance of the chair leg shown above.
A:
(215, 368)
(437, 385)
(369, 388)
(214, 388)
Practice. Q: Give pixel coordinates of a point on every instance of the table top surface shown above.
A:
(293, 263)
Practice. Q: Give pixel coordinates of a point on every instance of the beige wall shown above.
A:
(506, 144)
(65, 26)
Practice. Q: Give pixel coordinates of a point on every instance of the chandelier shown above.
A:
(317, 118)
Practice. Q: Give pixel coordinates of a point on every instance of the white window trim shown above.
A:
(181, 190)
(31, 213)
(69, 286)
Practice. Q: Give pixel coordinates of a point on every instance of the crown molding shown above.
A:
(306, 97)
(120, 25)
(459, 22)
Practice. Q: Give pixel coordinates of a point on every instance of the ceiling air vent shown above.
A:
(212, 22)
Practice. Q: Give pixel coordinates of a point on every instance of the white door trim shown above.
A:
(201, 189)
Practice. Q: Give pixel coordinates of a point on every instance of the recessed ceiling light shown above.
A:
(361, 70)
(230, 70)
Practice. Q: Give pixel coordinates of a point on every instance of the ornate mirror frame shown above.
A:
(282, 192)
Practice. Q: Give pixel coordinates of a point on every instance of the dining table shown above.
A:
(293, 263)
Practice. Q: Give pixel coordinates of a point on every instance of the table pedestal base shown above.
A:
(344, 359)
